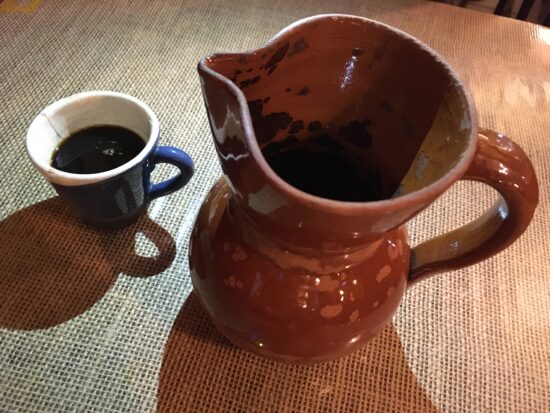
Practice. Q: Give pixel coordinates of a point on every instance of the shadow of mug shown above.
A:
(202, 371)
(54, 268)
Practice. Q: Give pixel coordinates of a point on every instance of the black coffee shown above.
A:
(97, 149)
(318, 167)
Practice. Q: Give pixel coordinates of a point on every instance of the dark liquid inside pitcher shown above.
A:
(320, 167)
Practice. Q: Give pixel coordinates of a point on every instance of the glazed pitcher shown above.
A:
(331, 137)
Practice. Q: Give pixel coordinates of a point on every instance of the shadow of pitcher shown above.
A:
(203, 371)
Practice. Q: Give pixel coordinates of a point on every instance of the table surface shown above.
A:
(93, 321)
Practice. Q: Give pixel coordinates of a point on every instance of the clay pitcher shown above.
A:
(331, 137)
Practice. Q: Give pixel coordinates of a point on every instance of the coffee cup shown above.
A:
(115, 197)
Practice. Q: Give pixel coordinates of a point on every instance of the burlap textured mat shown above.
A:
(105, 322)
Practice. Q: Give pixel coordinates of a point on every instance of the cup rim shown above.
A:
(420, 196)
(71, 179)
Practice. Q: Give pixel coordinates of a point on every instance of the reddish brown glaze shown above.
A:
(501, 163)
(292, 305)
(294, 276)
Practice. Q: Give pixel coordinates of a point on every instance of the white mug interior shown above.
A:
(71, 114)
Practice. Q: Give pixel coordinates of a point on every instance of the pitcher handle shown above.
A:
(502, 164)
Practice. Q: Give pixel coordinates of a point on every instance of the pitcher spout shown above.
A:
(339, 87)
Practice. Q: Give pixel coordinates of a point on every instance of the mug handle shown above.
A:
(502, 164)
(178, 158)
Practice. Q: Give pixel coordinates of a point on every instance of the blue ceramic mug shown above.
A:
(114, 198)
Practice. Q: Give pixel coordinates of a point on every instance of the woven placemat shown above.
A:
(93, 321)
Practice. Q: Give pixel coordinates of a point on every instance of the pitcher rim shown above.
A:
(432, 190)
